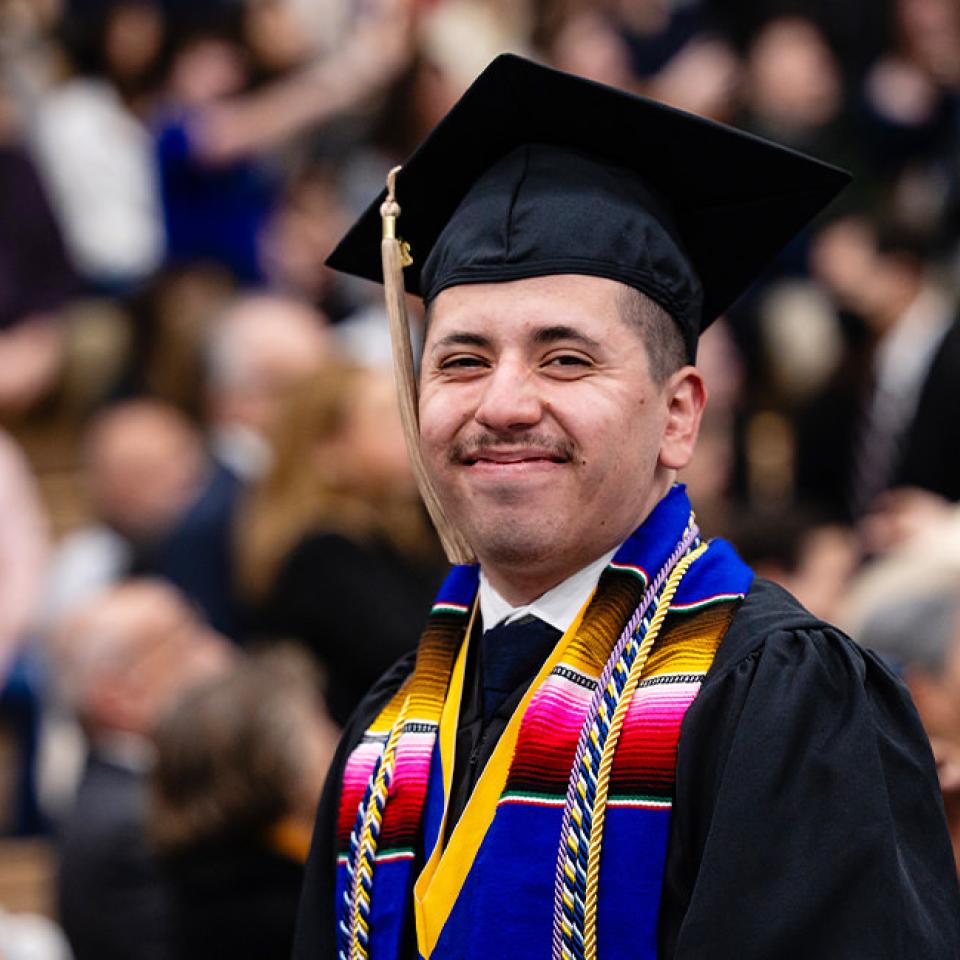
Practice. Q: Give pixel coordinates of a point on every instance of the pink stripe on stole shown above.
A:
(413, 756)
(651, 732)
(558, 704)
(360, 765)
(550, 730)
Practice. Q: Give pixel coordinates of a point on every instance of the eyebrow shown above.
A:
(462, 340)
(558, 332)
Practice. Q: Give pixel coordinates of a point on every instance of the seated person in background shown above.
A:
(240, 766)
(258, 349)
(143, 466)
(334, 547)
(920, 635)
(36, 278)
(122, 660)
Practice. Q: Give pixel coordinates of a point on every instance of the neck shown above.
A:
(518, 589)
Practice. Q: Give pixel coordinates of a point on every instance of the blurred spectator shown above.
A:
(161, 504)
(24, 550)
(909, 93)
(703, 77)
(23, 556)
(143, 467)
(793, 86)
(87, 131)
(589, 44)
(923, 556)
(171, 317)
(334, 547)
(121, 661)
(214, 136)
(920, 634)
(240, 766)
(308, 221)
(815, 561)
(889, 429)
(259, 349)
(35, 278)
(31, 937)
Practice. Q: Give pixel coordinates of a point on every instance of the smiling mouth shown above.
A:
(491, 459)
(499, 453)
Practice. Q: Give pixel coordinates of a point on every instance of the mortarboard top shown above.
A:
(537, 172)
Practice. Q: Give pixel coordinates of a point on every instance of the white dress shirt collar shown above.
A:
(559, 606)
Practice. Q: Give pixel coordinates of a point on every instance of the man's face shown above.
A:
(541, 428)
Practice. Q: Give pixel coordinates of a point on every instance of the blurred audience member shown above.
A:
(920, 635)
(240, 766)
(703, 77)
(144, 466)
(121, 661)
(910, 91)
(815, 561)
(215, 134)
(171, 319)
(29, 936)
(334, 546)
(35, 278)
(24, 546)
(161, 505)
(24, 550)
(793, 86)
(921, 553)
(89, 137)
(589, 44)
(259, 349)
(309, 220)
(888, 427)
(458, 38)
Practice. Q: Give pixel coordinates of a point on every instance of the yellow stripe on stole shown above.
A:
(439, 884)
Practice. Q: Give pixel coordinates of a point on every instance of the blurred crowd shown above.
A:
(210, 541)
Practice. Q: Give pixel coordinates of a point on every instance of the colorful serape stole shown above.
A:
(560, 851)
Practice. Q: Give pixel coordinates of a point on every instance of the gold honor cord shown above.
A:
(606, 760)
(395, 255)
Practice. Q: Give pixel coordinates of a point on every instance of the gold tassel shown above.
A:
(395, 255)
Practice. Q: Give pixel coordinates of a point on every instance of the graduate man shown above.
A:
(613, 741)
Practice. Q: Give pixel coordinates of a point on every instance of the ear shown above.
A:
(685, 394)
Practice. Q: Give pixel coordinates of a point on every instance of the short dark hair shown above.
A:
(666, 351)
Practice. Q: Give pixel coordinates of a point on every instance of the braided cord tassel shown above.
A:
(571, 880)
(362, 881)
(606, 763)
(346, 925)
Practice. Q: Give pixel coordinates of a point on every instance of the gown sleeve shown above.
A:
(316, 933)
(808, 819)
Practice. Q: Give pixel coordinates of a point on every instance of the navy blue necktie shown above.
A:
(510, 655)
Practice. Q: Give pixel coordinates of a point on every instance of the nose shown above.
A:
(511, 399)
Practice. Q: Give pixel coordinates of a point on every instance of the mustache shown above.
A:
(469, 449)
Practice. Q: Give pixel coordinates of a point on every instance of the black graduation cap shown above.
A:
(537, 172)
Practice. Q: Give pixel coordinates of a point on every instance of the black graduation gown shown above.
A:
(808, 821)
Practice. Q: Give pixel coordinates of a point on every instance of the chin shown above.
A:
(510, 544)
